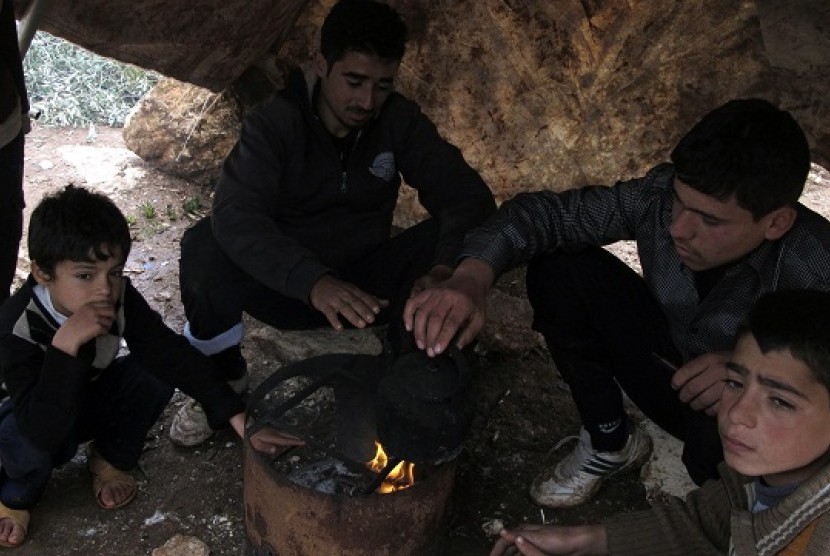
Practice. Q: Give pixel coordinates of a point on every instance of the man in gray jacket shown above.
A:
(299, 236)
(715, 229)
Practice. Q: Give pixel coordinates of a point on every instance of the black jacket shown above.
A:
(287, 211)
(47, 385)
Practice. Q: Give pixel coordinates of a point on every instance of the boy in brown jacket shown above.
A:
(774, 422)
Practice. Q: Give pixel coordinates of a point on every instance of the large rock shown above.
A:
(541, 94)
(552, 95)
(183, 130)
(206, 42)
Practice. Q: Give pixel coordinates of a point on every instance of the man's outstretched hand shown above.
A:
(334, 298)
(453, 309)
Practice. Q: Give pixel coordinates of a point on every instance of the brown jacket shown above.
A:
(715, 519)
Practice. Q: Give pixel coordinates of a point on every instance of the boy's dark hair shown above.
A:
(794, 320)
(362, 26)
(748, 149)
(75, 225)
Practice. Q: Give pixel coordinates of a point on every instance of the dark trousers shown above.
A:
(601, 325)
(215, 292)
(117, 411)
(11, 211)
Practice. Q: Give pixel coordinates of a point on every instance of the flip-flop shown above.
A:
(18, 517)
(104, 475)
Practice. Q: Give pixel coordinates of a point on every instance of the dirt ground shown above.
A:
(522, 410)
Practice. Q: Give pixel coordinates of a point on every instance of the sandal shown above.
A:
(18, 517)
(104, 475)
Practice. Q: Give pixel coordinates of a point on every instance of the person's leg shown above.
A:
(602, 327)
(26, 469)
(122, 406)
(11, 211)
(215, 292)
(211, 294)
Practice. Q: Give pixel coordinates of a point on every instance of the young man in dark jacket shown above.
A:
(299, 236)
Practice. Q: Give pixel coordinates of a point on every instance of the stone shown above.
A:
(183, 130)
(288, 346)
(536, 94)
(181, 545)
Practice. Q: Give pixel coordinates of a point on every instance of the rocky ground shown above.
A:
(191, 501)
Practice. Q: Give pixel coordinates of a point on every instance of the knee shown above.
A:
(152, 390)
(19, 456)
(553, 276)
(200, 258)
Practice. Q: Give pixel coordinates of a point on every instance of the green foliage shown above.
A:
(191, 206)
(74, 87)
(148, 210)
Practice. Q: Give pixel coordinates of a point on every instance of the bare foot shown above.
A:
(11, 533)
(115, 494)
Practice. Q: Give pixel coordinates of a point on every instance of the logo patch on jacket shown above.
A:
(383, 166)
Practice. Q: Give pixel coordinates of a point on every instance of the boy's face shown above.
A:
(774, 419)
(78, 283)
(708, 233)
(353, 90)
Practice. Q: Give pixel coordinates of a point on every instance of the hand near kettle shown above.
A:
(454, 308)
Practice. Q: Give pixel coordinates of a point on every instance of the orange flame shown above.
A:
(402, 475)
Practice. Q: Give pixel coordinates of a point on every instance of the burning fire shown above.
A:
(402, 475)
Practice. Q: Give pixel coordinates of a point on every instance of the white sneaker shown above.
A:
(578, 476)
(190, 426)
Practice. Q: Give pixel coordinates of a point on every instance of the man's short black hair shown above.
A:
(749, 149)
(76, 225)
(794, 320)
(362, 26)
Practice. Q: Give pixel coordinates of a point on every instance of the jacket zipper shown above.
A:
(344, 188)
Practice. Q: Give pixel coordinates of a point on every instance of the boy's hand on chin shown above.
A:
(88, 322)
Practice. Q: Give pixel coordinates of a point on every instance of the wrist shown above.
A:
(476, 270)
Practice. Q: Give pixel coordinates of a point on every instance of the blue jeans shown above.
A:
(116, 412)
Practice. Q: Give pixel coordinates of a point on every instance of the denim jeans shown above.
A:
(116, 411)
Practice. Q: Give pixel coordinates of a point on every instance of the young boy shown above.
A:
(60, 357)
(774, 421)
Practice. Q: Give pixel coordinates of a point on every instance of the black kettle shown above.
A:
(424, 406)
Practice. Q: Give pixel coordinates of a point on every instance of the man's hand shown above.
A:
(435, 276)
(266, 440)
(88, 322)
(457, 305)
(700, 381)
(543, 540)
(334, 297)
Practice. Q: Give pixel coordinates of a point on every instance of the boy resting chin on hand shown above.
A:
(62, 364)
